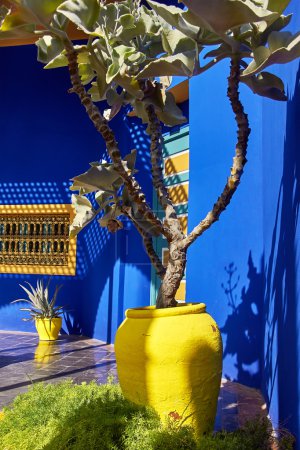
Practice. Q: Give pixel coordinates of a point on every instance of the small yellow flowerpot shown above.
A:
(171, 359)
(48, 329)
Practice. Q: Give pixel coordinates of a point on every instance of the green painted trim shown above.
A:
(172, 136)
(181, 209)
(176, 142)
(176, 146)
(181, 177)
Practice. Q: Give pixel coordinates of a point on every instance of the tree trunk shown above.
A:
(173, 276)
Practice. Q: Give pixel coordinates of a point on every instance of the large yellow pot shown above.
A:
(48, 329)
(171, 359)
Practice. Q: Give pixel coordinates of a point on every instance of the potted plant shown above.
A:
(130, 53)
(42, 310)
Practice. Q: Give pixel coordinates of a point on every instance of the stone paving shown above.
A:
(24, 360)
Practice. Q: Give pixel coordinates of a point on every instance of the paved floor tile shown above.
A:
(24, 360)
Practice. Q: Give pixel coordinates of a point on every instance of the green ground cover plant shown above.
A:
(97, 417)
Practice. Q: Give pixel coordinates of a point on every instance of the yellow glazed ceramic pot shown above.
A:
(48, 329)
(171, 359)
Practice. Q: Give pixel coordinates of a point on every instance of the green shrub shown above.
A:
(97, 417)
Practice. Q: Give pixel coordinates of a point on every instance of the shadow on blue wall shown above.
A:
(281, 309)
(262, 330)
(243, 326)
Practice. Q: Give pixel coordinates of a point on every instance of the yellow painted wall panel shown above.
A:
(177, 163)
(180, 294)
(179, 193)
(184, 223)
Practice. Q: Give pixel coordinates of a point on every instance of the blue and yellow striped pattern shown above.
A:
(176, 173)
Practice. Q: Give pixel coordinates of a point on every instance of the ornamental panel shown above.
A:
(35, 239)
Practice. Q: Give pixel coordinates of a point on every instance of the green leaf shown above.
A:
(83, 13)
(278, 5)
(42, 9)
(127, 21)
(120, 53)
(94, 93)
(49, 47)
(84, 214)
(267, 85)
(4, 11)
(171, 114)
(109, 18)
(59, 21)
(103, 198)
(223, 50)
(177, 42)
(186, 22)
(127, 34)
(123, 52)
(130, 159)
(61, 60)
(223, 15)
(16, 25)
(86, 73)
(130, 85)
(135, 58)
(113, 97)
(112, 72)
(146, 25)
(175, 17)
(169, 13)
(277, 25)
(182, 64)
(165, 81)
(96, 178)
(156, 96)
(140, 110)
(112, 213)
(283, 48)
(110, 113)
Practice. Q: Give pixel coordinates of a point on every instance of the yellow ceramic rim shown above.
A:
(48, 320)
(149, 312)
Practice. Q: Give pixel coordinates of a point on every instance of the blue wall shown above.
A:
(281, 168)
(46, 139)
(246, 267)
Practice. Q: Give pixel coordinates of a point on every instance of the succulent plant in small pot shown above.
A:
(42, 310)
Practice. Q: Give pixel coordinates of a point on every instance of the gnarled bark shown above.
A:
(173, 276)
(172, 222)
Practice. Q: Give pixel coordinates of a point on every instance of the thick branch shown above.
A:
(239, 159)
(174, 274)
(103, 128)
(172, 221)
